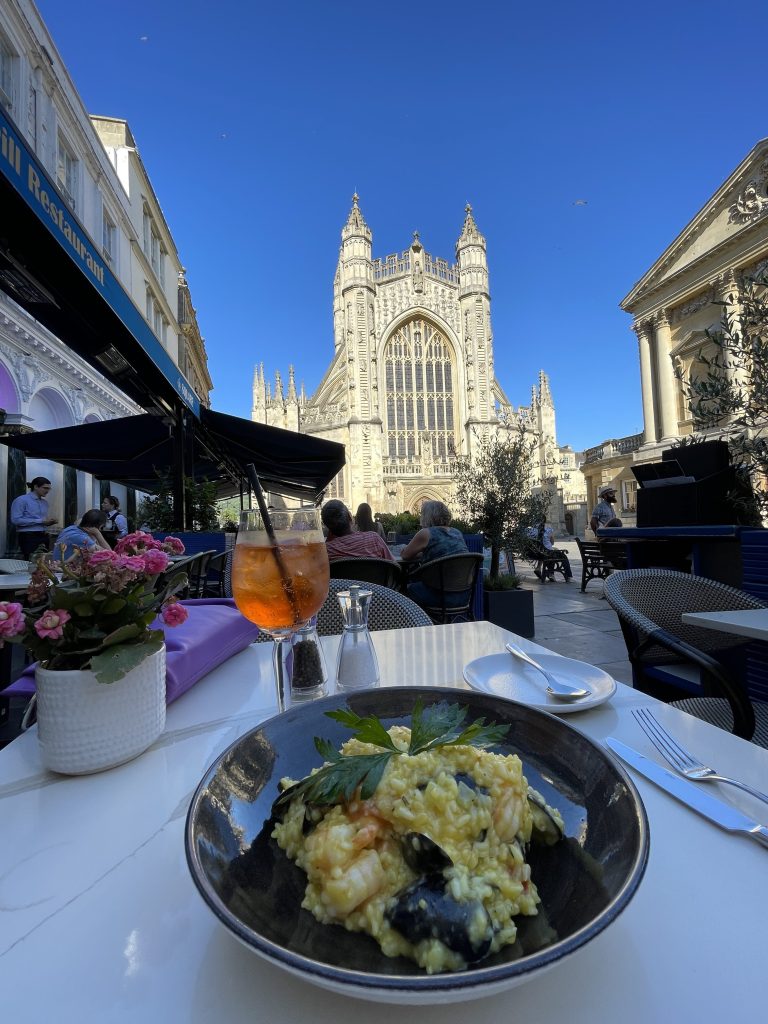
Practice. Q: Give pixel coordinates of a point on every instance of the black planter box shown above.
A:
(510, 609)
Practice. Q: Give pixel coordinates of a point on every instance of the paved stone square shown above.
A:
(576, 625)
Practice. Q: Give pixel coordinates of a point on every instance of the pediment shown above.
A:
(737, 206)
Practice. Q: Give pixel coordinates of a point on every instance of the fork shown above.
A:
(680, 759)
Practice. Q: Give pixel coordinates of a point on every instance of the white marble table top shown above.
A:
(100, 920)
(752, 622)
(14, 580)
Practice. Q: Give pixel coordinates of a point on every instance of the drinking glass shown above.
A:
(280, 575)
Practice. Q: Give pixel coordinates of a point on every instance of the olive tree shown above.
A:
(493, 491)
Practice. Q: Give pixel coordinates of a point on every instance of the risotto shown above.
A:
(432, 864)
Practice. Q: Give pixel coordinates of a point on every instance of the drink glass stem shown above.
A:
(279, 669)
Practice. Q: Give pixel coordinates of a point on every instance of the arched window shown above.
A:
(420, 383)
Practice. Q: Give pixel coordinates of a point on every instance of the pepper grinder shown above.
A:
(308, 673)
(356, 666)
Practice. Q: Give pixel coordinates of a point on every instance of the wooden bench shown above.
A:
(550, 561)
(594, 564)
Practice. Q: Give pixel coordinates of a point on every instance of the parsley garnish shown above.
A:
(440, 725)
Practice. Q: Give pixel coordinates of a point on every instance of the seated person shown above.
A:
(544, 569)
(343, 542)
(436, 539)
(86, 535)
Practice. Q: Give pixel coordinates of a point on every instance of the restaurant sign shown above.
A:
(32, 183)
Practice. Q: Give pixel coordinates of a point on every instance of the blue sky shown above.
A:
(256, 123)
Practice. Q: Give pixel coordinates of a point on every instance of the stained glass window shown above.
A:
(419, 378)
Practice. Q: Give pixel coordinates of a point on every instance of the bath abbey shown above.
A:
(411, 381)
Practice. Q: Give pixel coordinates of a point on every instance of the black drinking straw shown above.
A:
(267, 519)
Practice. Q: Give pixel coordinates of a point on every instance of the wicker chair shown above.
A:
(383, 571)
(388, 610)
(453, 574)
(685, 665)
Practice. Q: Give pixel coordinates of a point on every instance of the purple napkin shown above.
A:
(214, 631)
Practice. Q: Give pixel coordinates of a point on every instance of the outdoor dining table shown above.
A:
(751, 622)
(100, 920)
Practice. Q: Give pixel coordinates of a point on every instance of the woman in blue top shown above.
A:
(436, 539)
(86, 536)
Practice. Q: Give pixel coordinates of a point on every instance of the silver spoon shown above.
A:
(555, 689)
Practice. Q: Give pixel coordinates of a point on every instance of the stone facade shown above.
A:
(412, 376)
(682, 296)
(100, 178)
(673, 305)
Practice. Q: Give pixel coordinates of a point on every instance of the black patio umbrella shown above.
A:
(133, 450)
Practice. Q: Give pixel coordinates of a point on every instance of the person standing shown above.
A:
(30, 515)
(116, 525)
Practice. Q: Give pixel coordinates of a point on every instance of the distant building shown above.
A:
(412, 376)
(674, 304)
(101, 184)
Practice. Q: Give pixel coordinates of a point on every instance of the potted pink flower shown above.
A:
(100, 675)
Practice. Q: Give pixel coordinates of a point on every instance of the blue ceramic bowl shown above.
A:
(584, 882)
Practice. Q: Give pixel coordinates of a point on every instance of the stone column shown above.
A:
(643, 331)
(728, 294)
(667, 389)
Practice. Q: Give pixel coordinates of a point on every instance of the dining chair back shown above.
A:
(388, 609)
(215, 583)
(383, 571)
(453, 574)
(197, 572)
(697, 670)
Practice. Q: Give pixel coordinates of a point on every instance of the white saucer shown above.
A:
(502, 675)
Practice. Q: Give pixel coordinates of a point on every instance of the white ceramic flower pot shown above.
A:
(86, 726)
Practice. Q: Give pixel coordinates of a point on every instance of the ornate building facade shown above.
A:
(102, 183)
(412, 377)
(674, 304)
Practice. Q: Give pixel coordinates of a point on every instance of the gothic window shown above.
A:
(419, 378)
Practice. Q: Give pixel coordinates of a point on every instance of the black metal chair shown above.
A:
(453, 574)
(388, 609)
(695, 669)
(215, 583)
(197, 572)
(383, 571)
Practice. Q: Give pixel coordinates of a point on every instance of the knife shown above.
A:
(723, 815)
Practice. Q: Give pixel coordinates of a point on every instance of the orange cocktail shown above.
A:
(280, 593)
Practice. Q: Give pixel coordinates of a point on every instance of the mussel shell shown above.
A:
(423, 855)
(425, 910)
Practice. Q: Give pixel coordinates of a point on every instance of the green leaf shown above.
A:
(338, 781)
(367, 730)
(113, 606)
(438, 726)
(112, 665)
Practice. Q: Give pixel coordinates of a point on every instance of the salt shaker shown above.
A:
(356, 666)
(308, 674)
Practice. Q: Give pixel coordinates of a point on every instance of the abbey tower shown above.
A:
(412, 377)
